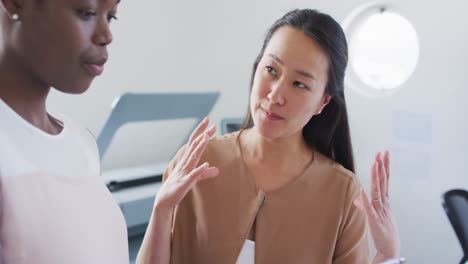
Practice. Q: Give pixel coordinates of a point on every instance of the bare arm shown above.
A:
(178, 182)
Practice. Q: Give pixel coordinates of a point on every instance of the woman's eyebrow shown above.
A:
(300, 72)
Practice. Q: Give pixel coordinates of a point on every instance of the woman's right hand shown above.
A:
(186, 173)
(155, 247)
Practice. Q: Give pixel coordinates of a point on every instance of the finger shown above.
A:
(358, 203)
(208, 173)
(386, 159)
(187, 182)
(189, 152)
(190, 149)
(211, 131)
(382, 175)
(202, 172)
(195, 155)
(375, 187)
(198, 130)
(369, 209)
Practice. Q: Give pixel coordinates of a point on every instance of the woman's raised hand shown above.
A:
(382, 224)
(187, 172)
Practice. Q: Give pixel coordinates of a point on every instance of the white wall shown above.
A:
(162, 46)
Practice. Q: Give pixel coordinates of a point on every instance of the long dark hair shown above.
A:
(327, 132)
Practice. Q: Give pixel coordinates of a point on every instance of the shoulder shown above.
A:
(84, 137)
(222, 148)
(220, 143)
(335, 174)
(3, 136)
(332, 167)
(77, 130)
(338, 186)
(5, 150)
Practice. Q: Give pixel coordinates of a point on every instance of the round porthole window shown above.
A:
(383, 50)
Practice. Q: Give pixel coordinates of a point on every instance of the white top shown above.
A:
(247, 254)
(25, 148)
(54, 205)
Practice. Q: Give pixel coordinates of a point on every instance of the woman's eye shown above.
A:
(271, 70)
(111, 17)
(85, 14)
(300, 85)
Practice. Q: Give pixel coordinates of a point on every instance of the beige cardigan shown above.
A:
(310, 220)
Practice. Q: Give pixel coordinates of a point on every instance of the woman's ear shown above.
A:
(12, 8)
(325, 101)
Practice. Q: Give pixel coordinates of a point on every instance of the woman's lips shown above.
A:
(271, 116)
(95, 66)
(94, 69)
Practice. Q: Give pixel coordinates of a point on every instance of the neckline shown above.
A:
(251, 176)
(57, 118)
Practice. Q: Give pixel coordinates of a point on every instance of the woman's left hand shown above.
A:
(382, 224)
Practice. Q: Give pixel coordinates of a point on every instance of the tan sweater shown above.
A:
(310, 220)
